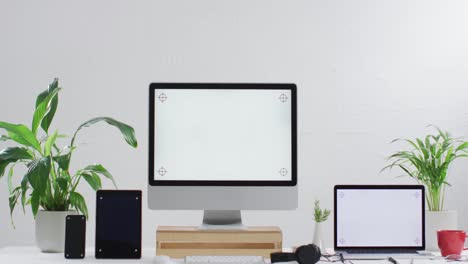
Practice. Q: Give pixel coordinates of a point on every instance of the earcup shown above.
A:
(308, 254)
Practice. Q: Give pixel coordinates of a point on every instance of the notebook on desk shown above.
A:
(378, 221)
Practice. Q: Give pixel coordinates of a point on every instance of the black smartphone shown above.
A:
(75, 236)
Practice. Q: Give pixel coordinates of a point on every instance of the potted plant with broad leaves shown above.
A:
(320, 216)
(49, 186)
(427, 160)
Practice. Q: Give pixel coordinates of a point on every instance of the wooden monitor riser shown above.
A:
(180, 241)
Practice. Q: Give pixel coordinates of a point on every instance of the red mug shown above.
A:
(451, 242)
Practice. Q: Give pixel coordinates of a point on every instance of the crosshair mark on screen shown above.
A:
(283, 172)
(162, 97)
(162, 171)
(283, 98)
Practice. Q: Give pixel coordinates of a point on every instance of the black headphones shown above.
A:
(306, 254)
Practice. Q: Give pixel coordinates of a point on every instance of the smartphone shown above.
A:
(75, 236)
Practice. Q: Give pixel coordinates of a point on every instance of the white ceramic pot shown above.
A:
(50, 230)
(318, 235)
(438, 220)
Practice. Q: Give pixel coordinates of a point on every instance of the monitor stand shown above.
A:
(222, 220)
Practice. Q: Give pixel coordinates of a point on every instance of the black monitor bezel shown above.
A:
(378, 187)
(223, 86)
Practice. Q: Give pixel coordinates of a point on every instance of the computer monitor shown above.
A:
(222, 148)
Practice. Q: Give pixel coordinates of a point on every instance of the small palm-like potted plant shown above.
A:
(320, 216)
(49, 186)
(427, 160)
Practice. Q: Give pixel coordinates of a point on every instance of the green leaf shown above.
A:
(38, 174)
(79, 203)
(63, 161)
(35, 199)
(12, 154)
(63, 183)
(422, 148)
(40, 98)
(66, 175)
(24, 188)
(47, 120)
(15, 153)
(46, 137)
(49, 143)
(127, 131)
(42, 110)
(13, 199)
(93, 180)
(462, 146)
(99, 169)
(10, 176)
(22, 135)
(24, 183)
(3, 165)
(97, 179)
(23, 200)
(43, 95)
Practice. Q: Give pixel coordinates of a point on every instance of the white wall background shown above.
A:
(367, 72)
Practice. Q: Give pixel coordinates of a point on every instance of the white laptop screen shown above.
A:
(379, 217)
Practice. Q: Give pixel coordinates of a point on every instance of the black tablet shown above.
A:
(118, 224)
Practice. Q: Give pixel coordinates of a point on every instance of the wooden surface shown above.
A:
(178, 242)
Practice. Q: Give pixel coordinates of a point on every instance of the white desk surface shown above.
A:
(31, 255)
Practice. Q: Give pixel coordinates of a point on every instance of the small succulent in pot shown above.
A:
(320, 215)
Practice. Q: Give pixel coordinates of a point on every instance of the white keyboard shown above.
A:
(224, 260)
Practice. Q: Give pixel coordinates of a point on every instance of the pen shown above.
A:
(392, 260)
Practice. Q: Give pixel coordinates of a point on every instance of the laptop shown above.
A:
(379, 221)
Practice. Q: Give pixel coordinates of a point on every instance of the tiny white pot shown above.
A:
(50, 230)
(438, 220)
(318, 235)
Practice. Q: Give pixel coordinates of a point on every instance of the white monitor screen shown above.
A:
(222, 135)
(379, 217)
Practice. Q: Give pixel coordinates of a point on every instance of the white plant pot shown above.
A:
(438, 220)
(50, 230)
(318, 235)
